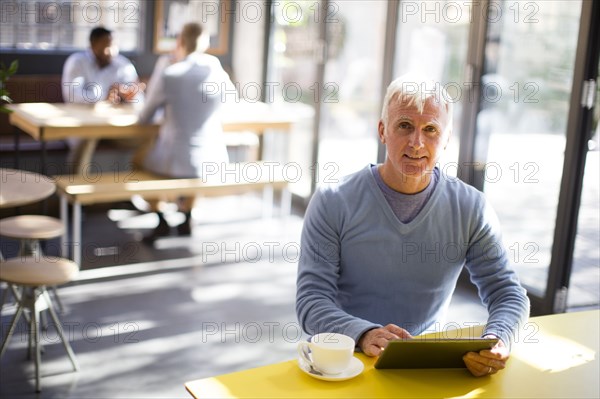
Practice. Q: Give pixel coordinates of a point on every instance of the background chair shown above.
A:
(30, 230)
(33, 275)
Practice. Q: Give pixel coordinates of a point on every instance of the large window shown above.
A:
(334, 85)
(352, 88)
(52, 25)
(432, 39)
(585, 276)
(293, 81)
(521, 127)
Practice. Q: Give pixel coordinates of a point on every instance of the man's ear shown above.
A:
(381, 130)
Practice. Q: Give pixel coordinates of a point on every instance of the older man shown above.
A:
(382, 250)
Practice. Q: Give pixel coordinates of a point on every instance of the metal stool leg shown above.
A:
(15, 292)
(60, 331)
(11, 329)
(35, 332)
(30, 248)
(34, 300)
(34, 321)
(30, 336)
(64, 217)
(5, 296)
(76, 232)
(59, 304)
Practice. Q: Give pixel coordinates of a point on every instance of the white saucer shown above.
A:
(356, 367)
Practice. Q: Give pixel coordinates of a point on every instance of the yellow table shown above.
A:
(555, 356)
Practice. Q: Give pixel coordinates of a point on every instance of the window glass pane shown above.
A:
(432, 39)
(291, 81)
(65, 37)
(521, 127)
(351, 94)
(48, 25)
(7, 37)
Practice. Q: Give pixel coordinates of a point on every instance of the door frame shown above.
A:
(579, 131)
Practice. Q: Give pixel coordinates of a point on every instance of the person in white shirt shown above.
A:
(190, 87)
(97, 74)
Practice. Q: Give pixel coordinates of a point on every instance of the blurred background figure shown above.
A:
(97, 74)
(189, 86)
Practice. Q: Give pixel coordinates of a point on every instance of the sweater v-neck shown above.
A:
(402, 227)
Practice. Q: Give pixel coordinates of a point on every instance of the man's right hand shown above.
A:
(374, 341)
(125, 92)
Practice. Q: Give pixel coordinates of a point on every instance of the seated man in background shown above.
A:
(98, 74)
(382, 250)
(190, 87)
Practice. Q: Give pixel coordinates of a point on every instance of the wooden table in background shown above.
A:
(57, 121)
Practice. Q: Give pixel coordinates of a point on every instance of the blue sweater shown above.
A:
(361, 268)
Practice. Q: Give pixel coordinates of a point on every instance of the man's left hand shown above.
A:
(487, 361)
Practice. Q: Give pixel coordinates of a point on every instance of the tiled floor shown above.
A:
(160, 323)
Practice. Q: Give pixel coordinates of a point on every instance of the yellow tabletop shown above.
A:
(554, 356)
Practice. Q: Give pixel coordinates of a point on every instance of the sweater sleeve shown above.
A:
(318, 272)
(496, 281)
(155, 99)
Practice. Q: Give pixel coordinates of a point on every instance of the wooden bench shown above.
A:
(226, 179)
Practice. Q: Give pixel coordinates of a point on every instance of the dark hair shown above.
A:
(98, 33)
(190, 34)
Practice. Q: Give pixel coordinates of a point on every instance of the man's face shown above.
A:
(414, 143)
(104, 50)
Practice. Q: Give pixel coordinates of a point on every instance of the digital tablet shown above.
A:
(430, 353)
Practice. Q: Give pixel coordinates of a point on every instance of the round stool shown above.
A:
(33, 274)
(30, 229)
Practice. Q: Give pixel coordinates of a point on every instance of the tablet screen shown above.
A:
(430, 353)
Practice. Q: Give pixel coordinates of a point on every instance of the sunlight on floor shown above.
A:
(217, 293)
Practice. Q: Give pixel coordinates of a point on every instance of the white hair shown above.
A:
(415, 91)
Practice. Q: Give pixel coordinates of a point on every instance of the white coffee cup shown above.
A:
(329, 353)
